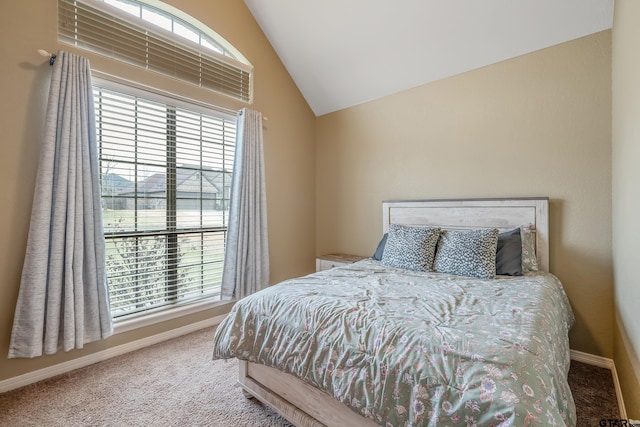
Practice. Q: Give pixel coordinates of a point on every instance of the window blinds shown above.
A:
(166, 179)
(139, 43)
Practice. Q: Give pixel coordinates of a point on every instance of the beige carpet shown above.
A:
(177, 384)
(174, 383)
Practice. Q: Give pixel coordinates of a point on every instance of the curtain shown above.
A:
(63, 300)
(246, 262)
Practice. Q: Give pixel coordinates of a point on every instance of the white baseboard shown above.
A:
(590, 359)
(603, 362)
(81, 362)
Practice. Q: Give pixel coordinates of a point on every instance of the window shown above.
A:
(169, 23)
(160, 41)
(166, 176)
(166, 162)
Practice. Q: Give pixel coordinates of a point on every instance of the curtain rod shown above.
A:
(51, 56)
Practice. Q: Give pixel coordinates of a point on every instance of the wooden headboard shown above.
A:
(503, 214)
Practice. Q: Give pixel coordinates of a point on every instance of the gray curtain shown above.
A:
(63, 300)
(246, 262)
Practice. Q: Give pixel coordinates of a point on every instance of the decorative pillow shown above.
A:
(468, 253)
(529, 261)
(509, 254)
(412, 248)
(380, 249)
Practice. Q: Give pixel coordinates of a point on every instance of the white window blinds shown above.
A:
(179, 50)
(166, 179)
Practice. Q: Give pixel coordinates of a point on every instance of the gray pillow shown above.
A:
(468, 253)
(412, 248)
(509, 254)
(380, 249)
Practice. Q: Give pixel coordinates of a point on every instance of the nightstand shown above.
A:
(325, 262)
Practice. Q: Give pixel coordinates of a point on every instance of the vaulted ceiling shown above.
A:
(342, 53)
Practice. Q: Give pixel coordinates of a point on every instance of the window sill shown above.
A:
(129, 324)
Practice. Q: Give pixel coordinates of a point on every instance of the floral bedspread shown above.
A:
(407, 348)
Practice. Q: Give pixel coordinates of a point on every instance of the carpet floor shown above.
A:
(176, 383)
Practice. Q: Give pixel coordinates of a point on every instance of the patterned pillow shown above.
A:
(468, 253)
(529, 261)
(412, 248)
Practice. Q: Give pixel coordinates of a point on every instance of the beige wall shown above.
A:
(28, 25)
(536, 125)
(626, 197)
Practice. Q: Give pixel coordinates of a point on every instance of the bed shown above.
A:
(374, 343)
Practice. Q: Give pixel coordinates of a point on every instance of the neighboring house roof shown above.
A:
(187, 182)
(113, 183)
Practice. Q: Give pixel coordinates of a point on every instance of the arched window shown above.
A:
(159, 38)
(166, 161)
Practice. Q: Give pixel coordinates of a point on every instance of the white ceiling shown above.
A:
(342, 53)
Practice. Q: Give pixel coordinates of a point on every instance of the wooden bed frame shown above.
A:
(304, 405)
